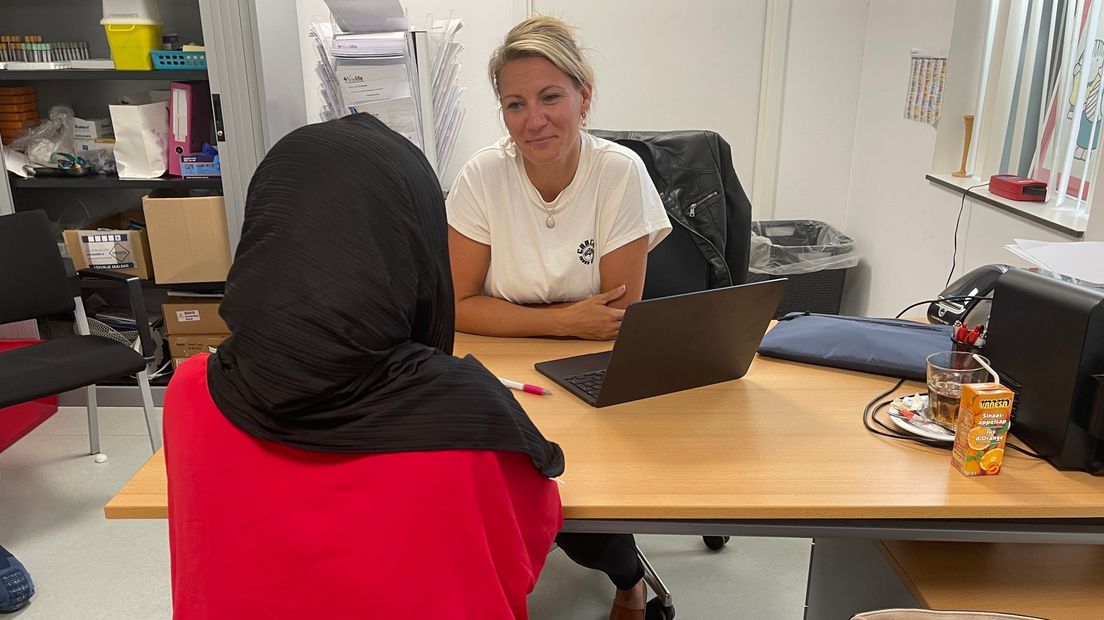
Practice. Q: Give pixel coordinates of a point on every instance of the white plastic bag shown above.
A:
(141, 139)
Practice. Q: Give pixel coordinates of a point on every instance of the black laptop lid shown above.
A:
(687, 341)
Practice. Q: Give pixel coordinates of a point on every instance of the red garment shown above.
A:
(261, 530)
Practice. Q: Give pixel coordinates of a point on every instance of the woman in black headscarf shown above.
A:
(335, 417)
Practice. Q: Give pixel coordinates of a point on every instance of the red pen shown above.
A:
(525, 387)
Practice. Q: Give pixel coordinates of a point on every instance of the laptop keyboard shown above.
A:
(589, 382)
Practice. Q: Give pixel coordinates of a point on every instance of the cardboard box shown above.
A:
(110, 244)
(193, 317)
(183, 346)
(92, 129)
(188, 237)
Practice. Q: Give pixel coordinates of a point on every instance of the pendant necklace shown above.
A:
(551, 221)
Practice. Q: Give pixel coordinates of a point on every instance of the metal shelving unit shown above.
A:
(100, 74)
(99, 181)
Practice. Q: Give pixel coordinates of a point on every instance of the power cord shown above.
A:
(958, 221)
(932, 301)
(870, 412)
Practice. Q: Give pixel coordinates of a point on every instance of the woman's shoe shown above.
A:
(617, 612)
(630, 604)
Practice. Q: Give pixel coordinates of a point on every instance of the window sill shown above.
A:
(1061, 220)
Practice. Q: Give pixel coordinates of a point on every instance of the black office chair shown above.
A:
(33, 284)
(693, 172)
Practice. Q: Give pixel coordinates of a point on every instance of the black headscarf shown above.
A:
(340, 305)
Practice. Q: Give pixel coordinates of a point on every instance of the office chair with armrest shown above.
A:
(33, 284)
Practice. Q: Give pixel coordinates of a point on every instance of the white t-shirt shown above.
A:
(610, 202)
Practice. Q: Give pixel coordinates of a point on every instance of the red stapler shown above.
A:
(1018, 188)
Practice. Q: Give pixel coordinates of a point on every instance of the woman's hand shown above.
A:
(593, 318)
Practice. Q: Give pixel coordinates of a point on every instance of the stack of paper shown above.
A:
(366, 73)
(1082, 260)
(448, 114)
(369, 15)
(409, 80)
(375, 45)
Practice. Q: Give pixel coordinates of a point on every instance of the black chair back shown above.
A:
(33, 280)
(676, 265)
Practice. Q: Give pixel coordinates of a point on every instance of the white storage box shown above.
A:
(139, 12)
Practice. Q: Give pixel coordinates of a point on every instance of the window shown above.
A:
(1039, 97)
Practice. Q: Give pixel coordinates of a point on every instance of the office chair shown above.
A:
(690, 169)
(34, 283)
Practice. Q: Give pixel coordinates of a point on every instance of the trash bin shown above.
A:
(814, 257)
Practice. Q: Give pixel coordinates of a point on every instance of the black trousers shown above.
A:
(613, 554)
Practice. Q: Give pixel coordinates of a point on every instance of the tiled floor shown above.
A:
(51, 517)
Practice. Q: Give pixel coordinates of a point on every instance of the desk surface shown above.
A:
(785, 442)
(1062, 584)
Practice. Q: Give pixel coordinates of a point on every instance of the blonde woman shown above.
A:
(550, 229)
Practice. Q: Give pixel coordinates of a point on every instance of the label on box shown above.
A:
(108, 251)
(187, 315)
(91, 129)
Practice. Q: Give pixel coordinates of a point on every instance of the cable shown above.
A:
(872, 414)
(932, 301)
(1024, 451)
(961, 207)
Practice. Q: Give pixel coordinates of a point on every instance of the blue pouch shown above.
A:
(892, 347)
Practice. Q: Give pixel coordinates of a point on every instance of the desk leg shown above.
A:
(851, 576)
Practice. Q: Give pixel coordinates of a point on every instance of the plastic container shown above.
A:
(814, 257)
(179, 61)
(143, 12)
(133, 30)
(131, 45)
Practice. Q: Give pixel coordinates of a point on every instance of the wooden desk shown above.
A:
(780, 452)
(1059, 582)
(1063, 582)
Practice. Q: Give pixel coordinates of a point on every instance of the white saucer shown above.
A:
(929, 430)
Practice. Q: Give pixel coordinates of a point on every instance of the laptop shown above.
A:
(673, 343)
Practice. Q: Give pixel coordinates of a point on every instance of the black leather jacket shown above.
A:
(694, 175)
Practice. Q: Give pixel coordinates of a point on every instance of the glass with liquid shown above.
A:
(947, 371)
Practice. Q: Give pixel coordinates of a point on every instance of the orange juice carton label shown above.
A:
(984, 418)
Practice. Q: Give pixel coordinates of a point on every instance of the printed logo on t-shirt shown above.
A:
(586, 252)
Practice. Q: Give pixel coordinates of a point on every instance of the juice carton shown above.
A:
(983, 423)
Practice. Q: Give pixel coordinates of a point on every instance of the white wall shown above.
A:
(823, 67)
(674, 65)
(702, 74)
(902, 223)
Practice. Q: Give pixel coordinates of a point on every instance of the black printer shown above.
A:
(1046, 339)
